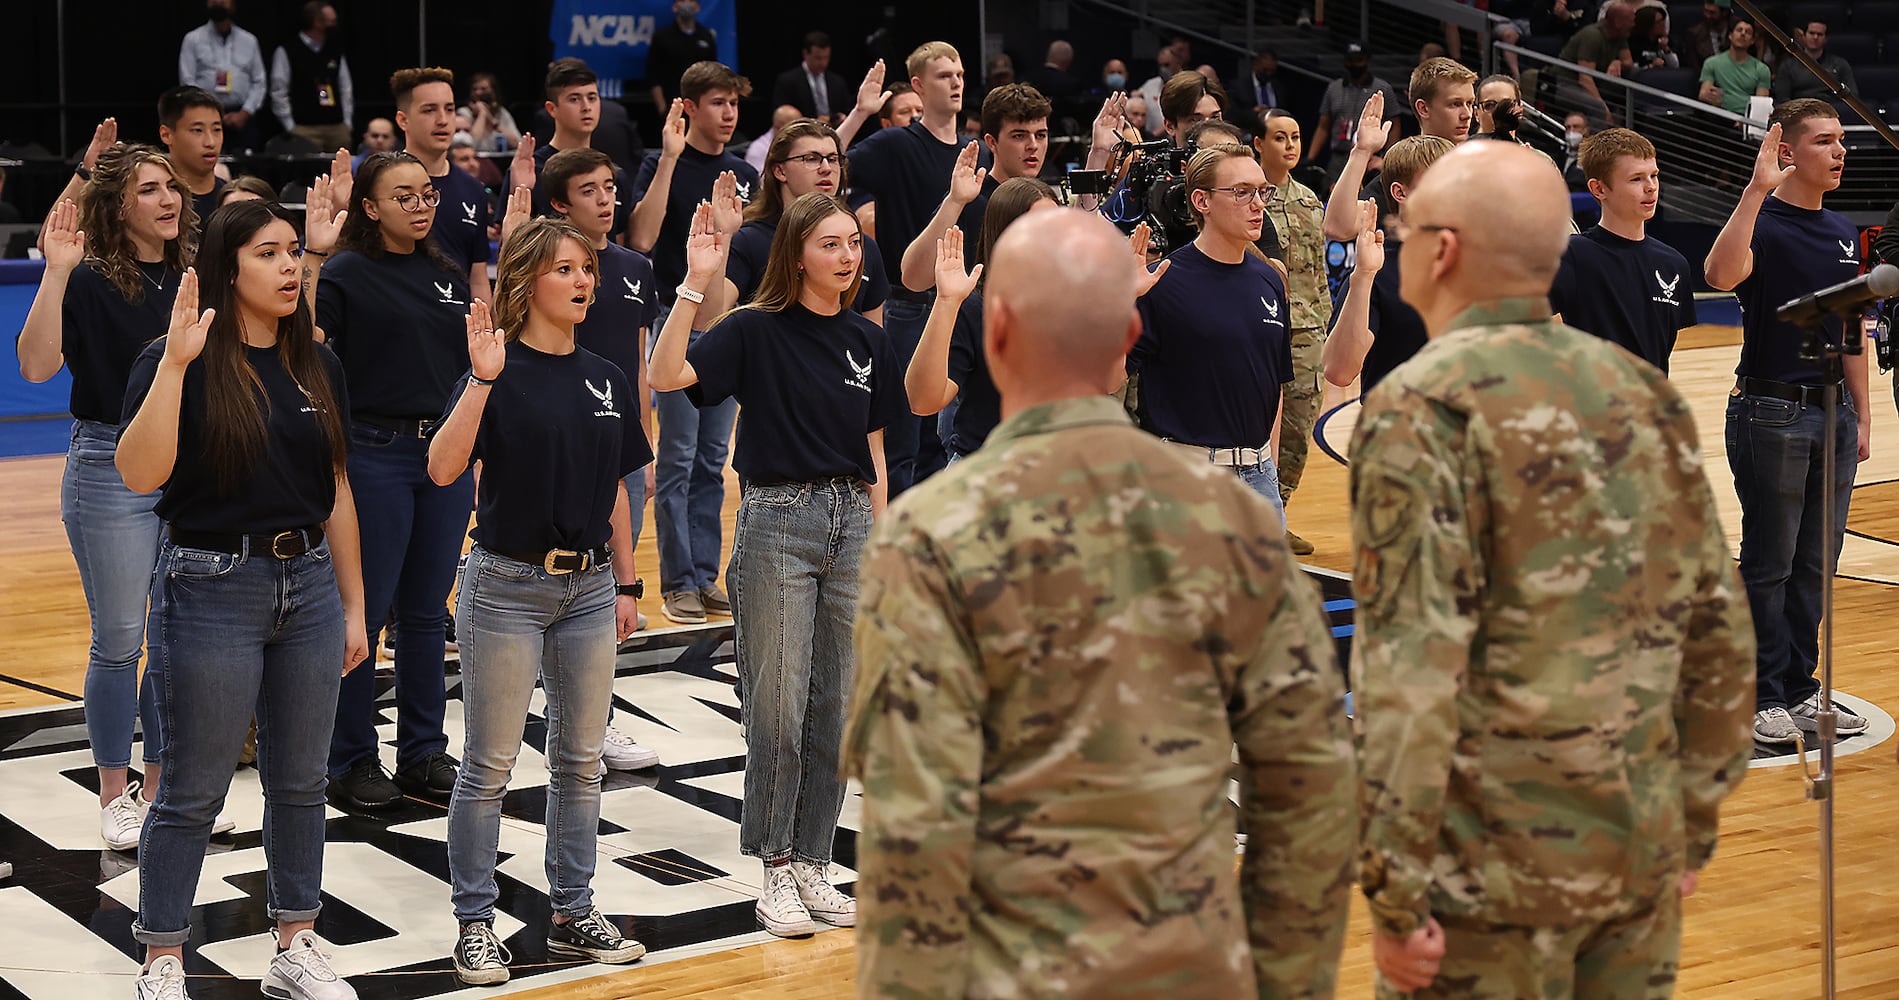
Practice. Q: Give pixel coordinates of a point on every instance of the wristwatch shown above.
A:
(636, 589)
(82, 173)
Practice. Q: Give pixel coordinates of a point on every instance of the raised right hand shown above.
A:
(1108, 124)
(342, 177)
(1373, 129)
(728, 210)
(487, 348)
(705, 248)
(952, 282)
(103, 137)
(520, 209)
(184, 338)
(63, 243)
(672, 138)
(871, 94)
(1768, 173)
(966, 179)
(521, 169)
(1371, 240)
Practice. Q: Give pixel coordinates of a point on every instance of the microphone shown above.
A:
(1842, 299)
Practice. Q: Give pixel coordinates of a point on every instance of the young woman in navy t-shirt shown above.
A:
(392, 306)
(817, 384)
(237, 415)
(556, 428)
(113, 262)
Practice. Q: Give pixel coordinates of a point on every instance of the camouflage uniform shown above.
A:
(1553, 667)
(1299, 216)
(1059, 643)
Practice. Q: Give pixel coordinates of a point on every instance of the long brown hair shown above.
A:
(102, 206)
(770, 203)
(778, 285)
(529, 253)
(364, 234)
(1010, 201)
(234, 420)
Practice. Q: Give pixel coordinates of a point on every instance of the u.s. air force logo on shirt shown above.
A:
(1849, 252)
(447, 292)
(632, 293)
(1666, 287)
(1272, 313)
(468, 214)
(860, 374)
(605, 396)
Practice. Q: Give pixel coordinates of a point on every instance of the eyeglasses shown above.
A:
(1242, 195)
(813, 159)
(1403, 229)
(414, 202)
(1489, 106)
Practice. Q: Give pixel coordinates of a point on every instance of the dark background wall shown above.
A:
(120, 54)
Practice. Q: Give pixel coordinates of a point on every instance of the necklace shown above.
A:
(160, 283)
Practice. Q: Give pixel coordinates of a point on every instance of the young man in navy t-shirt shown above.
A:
(1216, 344)
(693, 442)
(906, 173)
(573, 102)
(1618, 282)
(191, 125)
(425, 112)
(1778, 245)
(1015, 134)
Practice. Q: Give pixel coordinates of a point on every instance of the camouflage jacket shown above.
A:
(1299, 217)
(1060, 641)
(1553, 669)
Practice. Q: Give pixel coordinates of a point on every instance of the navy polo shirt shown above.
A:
(1214, 350)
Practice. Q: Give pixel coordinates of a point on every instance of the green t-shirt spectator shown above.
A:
(1738, 80)
(1593, 46)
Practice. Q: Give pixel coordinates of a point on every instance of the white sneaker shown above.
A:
(1774, 725)
(1846, 722)
(781, 908)
(622, 753)
(165, 980)
(223, 824)
(303, 973)
(122, 819)
(822, 899)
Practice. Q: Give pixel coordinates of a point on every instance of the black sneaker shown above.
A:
(480, 957)
(449, 645)
(594, 937)
(364, 787)
(432, 777)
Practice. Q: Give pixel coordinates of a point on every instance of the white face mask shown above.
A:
(1573, 138)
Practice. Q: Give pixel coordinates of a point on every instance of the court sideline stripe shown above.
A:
(41, 688)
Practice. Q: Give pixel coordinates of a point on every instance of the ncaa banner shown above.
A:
(613, 36)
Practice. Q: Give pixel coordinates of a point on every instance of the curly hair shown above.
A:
(102, 206)
(364, 234)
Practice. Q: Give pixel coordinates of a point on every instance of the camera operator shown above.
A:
(1214, 348)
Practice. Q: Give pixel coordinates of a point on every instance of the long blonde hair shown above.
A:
(109, 248)
(529, 253)
(778, 285)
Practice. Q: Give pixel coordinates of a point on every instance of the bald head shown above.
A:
(1058, 318)
(784, 115)
(1523, 244)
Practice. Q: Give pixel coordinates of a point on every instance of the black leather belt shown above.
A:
(405, 428)
(281, 545)
(1792, 392)
(558, 561)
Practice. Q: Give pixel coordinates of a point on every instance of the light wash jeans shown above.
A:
(689, 485)
(516, 623)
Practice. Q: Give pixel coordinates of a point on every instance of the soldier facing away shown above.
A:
(1553, 668)
(1060, 641)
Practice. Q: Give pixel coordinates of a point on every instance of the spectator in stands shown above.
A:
(191, 125)
(1054, 78)
(491, 125)
(379, 136)
(1729, 79)
(1339, 110)
(1260, 87)
(674, 48)
(462, 153)
(1137, 112)
(1706, 37)
(1169, 61)
(223, 59)
(1187, 100)
(784, 115)
(1429, 51)
(999, 71)
(1602, 46)
(1575, 130)
(9, 212)
(1795, 80)
(1648, 43)
(310, 88)
(1562, 18)
(901, 107)
(811, 86)
(1509, 24)
(1114, 80)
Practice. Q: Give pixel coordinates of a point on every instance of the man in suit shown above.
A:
(811, 87)
(1260, 88)
(1054, 79)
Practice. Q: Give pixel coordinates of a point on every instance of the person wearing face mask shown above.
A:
(818, 384)
(391, 303)
(1339, 110)
(1169, 61)
(1114, 80)
(1575, 130)
(678, 45)
(225, 61)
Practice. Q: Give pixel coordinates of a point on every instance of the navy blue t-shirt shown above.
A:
(979, 407)
(291, 485)
(1797, 251)
(1628, 293)
(461, 220)
(1398, 332)
(693, 178)
(205, 204)
(623, 302)
(751, 248)
(101, 334)
(622, 202)
(559, 433)
(398, 324)
(811, 389)
(906, 171)
(1213, 352)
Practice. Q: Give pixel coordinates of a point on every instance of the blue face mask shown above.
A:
(1117, 81)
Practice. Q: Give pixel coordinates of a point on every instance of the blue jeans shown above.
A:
(794, 592)
(1774, 450)
(237, 631)
(689, 487)
(913, 450)
(1264, 479)
(517, 622)
(412, 535)
(114, 537)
